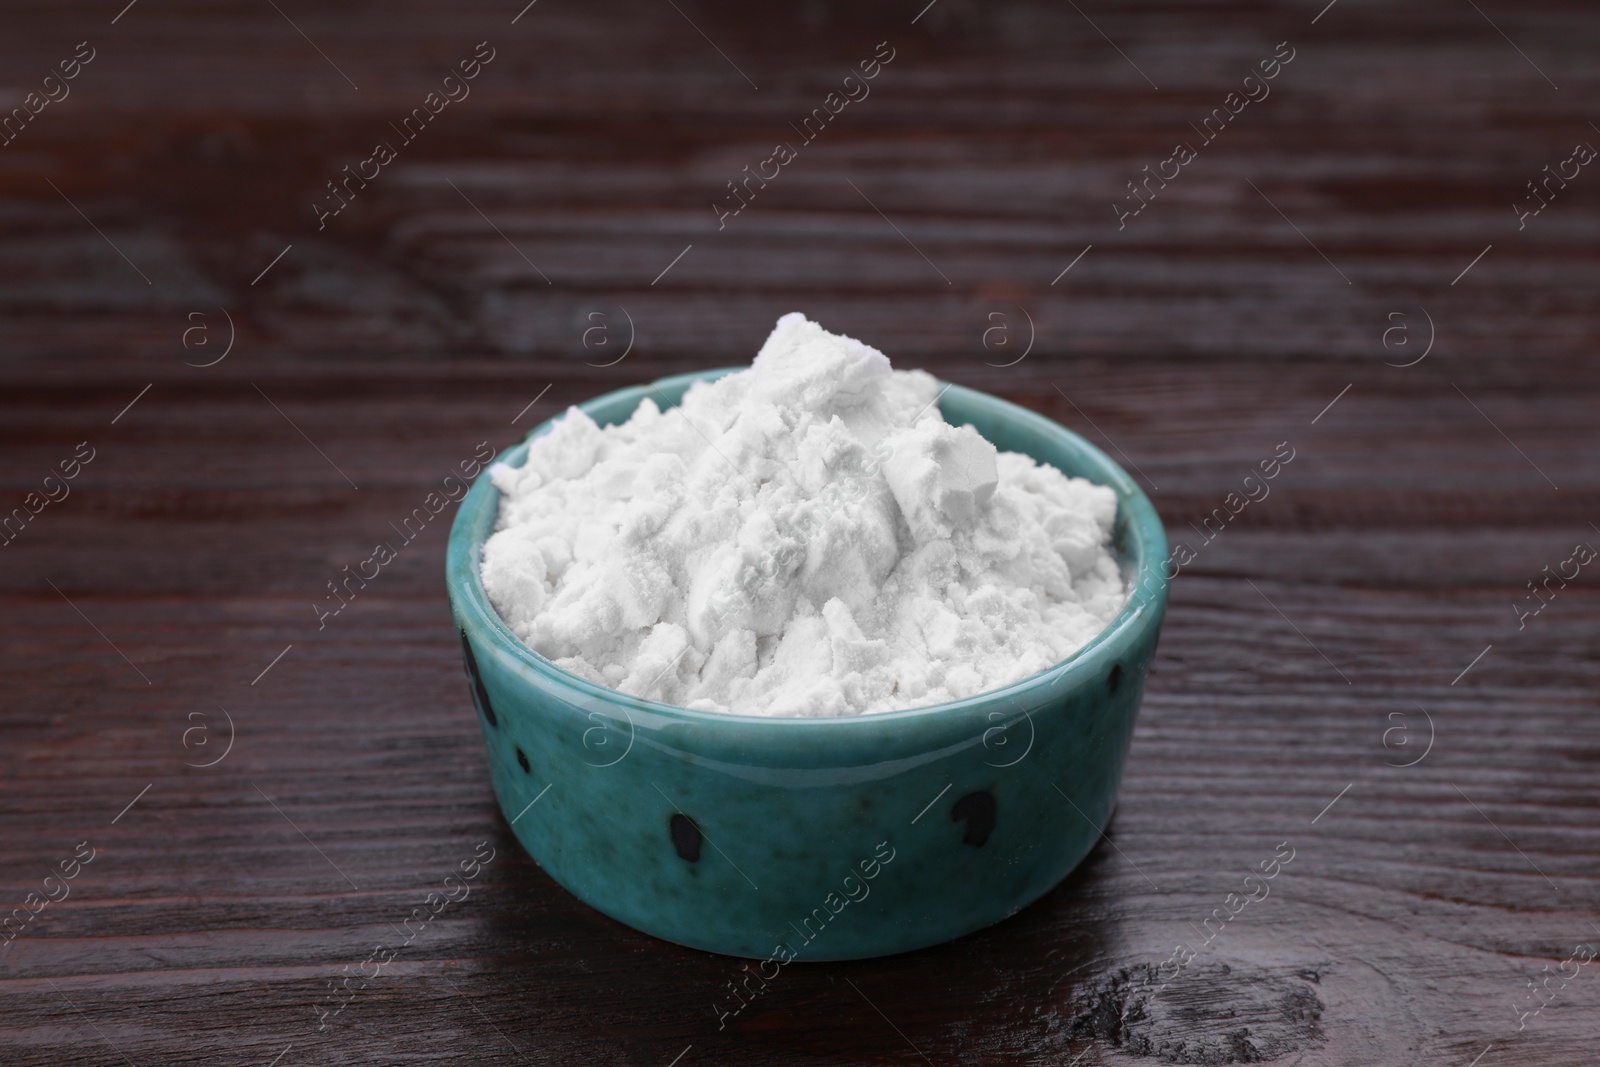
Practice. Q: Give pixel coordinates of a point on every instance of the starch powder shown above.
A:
(807, 537)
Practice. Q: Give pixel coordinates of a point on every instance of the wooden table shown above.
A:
(1340, 271)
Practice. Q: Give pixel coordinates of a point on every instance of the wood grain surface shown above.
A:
(1343, 666)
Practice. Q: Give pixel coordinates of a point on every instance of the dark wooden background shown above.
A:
(379, 351)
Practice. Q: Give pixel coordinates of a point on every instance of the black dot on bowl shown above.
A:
(480, 695)
(1114, 679)
(978, 809)
(522, 761)
(685, 837)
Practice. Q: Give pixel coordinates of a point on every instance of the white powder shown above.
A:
(807, 537)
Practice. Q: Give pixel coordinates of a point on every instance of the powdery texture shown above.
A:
(807, 537)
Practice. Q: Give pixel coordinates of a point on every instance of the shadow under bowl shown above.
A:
(816, 839)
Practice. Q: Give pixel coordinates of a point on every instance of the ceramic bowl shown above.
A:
(815, 839)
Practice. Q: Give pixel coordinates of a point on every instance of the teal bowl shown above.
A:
(815, 839)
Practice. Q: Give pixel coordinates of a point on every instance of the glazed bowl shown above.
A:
(826, 838)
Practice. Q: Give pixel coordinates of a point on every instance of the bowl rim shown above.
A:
(1146, 605)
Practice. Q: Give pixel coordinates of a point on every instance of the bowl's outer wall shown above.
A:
(836, 838)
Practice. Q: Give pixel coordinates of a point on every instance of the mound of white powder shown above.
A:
(807, 537)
